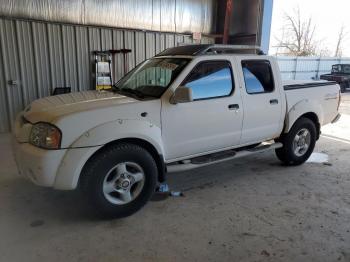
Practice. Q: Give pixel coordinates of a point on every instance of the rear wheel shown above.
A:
(347, 86)
(298, 143)
(343, 86)
(120, 180)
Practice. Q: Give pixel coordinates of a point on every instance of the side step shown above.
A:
(219, 157)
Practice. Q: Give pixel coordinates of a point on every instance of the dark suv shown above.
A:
(340, 74)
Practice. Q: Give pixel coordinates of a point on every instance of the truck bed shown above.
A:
(323, 94)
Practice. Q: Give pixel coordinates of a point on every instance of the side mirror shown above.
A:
(182, 94)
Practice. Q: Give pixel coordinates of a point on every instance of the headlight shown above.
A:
(46, 136)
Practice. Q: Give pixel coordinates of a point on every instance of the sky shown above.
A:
(328, 16)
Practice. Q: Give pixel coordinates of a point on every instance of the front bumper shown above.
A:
(39, 165)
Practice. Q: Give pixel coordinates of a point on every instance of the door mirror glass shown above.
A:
(182, 94)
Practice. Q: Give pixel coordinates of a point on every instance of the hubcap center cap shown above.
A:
(125, 183)
(302, 142)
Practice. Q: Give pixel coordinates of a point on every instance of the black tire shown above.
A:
(343, 87)
(286, 154)
(347, 87)
(95, 171)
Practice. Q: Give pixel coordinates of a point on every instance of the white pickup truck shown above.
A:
(187, 107)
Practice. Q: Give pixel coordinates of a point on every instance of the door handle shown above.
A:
(233, 107)
(274, 101)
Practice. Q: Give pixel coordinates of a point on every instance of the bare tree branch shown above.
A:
(298, 38)
(339, 48)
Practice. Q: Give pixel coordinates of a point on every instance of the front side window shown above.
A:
(210, 79)
(258, 77)
(336, 68)
(152, 77)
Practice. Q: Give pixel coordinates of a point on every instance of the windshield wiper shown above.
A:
(116, 88)
(133, 92)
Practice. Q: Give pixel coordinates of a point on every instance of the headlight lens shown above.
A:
(46, 136)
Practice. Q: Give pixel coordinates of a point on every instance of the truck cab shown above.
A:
(236, 101)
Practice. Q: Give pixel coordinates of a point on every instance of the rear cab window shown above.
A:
(210, 79)
(258, 76)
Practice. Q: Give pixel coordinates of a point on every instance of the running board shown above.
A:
(219, 157)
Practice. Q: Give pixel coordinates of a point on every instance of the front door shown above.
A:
(213, 121)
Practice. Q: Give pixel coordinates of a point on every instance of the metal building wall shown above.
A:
(36, 57)
(307, 68)
(178, 16)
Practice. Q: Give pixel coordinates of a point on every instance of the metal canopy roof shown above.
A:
(197, 50)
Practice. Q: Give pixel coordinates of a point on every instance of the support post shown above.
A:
(318, 69)
(229, 6)
(295, 68)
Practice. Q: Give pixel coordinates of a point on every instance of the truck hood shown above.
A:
(49, 109)
(77, 113)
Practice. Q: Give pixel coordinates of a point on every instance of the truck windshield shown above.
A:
(152, 77)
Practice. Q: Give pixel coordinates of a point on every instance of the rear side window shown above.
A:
(210, 79)
(258, 77)
(347, 69)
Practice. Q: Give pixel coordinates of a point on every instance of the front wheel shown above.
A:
(120, 180)
(298, 143)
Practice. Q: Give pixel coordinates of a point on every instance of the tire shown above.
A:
(347, 87)
(289, 153)
(343, 87)
(119, 180)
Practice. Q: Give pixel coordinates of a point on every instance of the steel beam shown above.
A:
(228, 14)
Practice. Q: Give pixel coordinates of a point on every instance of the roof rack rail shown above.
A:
(227, 49)
(208, 49)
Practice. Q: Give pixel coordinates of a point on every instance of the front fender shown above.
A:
(91, 141)
(302, 107)
(119, 129)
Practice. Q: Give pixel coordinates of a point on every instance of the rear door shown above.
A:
(262, 101)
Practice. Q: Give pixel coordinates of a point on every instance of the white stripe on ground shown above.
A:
(336, 139)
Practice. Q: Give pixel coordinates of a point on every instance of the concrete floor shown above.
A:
(250, 209)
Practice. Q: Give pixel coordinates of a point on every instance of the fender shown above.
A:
(94, 139)
(301, 108)
(119, 129)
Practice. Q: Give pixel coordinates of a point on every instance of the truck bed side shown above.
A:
(319, 98)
